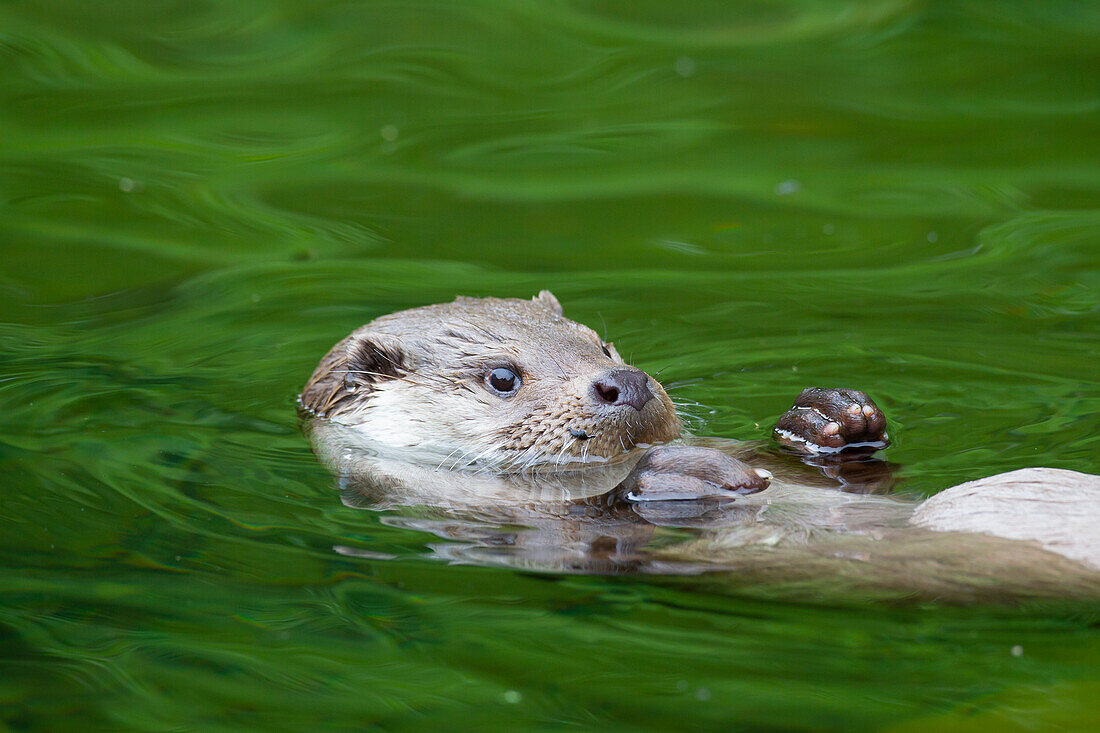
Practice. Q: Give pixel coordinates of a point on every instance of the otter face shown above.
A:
(503, 385)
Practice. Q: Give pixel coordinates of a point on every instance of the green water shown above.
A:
(197, 199)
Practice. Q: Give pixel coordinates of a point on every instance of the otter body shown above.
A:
(503, 411)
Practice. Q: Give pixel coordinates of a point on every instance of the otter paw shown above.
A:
(832, 420)
(678, 473)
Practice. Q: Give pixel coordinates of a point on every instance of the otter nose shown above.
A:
(623, 387)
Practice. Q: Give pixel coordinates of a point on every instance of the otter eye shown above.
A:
(606, 351)
(503, 380)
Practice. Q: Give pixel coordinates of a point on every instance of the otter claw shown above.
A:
(832, 420)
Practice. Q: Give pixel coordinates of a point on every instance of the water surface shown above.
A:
(197, 199)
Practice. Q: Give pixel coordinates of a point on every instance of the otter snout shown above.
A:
(623, 387)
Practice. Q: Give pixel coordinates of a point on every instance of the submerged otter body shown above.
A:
(503, 412)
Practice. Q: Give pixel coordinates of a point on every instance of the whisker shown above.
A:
(560, 457)
(445, 459)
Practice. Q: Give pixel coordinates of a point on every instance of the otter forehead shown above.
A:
(530, 333)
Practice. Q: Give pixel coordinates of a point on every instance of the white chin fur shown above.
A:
(385, 426)
(390, 438)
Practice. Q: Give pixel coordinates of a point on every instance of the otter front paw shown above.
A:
(832, 420)
(672, 473)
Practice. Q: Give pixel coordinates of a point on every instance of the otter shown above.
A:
(504, 412)
(508, 385)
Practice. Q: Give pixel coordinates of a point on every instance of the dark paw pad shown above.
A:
(831, 420)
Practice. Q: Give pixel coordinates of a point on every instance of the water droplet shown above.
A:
(684, 66)
(787, 187)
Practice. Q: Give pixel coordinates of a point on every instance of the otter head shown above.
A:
(504, 385)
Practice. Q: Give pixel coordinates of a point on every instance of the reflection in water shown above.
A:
(802, 533)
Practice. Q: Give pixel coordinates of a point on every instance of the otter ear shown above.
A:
(612, 352)
(546, 298)
(357, 362)
(373, 358)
